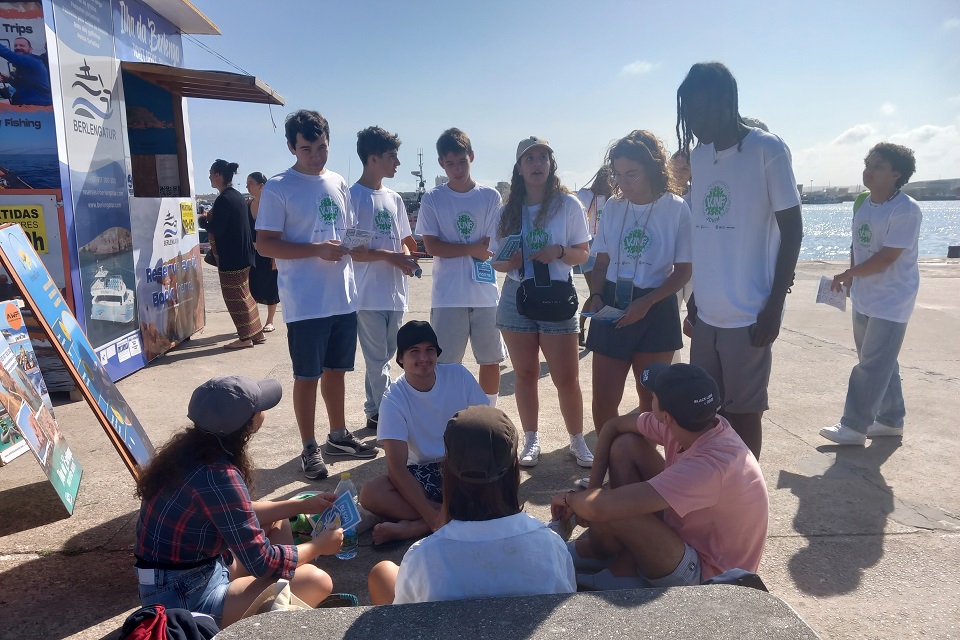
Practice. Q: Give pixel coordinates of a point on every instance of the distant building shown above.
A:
(439, 180)
(504, 189)
(934, 189)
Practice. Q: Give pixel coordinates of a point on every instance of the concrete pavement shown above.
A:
(863, 543)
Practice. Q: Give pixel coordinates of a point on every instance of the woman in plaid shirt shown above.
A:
(196, 507)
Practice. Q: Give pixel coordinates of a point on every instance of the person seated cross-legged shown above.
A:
(709, 489)
(413, 417)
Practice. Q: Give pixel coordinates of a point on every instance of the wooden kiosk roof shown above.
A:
(194, 83)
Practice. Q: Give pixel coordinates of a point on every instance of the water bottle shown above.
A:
(348, 549)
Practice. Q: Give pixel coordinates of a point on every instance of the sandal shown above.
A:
(238, 344)
(269, 327)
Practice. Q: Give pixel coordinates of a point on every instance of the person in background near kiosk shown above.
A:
(592, 198)
(883, 280)
(263, 276)
(228, 221)
(30, 79)
(747, 230)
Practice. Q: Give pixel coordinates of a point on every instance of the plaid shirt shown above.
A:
(207, 514)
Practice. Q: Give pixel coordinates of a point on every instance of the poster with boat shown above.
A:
(28, 137)
(170, 288)
(42, 296)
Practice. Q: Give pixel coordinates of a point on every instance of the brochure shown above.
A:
(826, 295)
(511, 244)
(356, 238)
(343, 514)
(483, 271)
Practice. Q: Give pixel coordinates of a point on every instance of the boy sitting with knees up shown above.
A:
(413, 417)
(708, 486)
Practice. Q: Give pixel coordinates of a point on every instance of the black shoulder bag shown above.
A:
(552, 303)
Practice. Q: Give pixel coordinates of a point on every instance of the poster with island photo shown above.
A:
(40, 293)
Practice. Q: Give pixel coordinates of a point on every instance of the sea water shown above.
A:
(827, 229)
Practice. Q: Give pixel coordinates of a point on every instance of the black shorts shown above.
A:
(430, 478)
(657, 332)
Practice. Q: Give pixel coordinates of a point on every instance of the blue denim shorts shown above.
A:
(316, 344)
(509, 319)
(200, 590)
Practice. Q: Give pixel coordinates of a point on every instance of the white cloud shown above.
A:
(639, 68)
(952, 23)
(954, 100)
(888, 109)
(854, 134)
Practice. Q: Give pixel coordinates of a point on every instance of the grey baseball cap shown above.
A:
(529, 143)
(222, 406)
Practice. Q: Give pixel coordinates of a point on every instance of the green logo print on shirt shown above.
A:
(465, 224)
(537, 239)
(716, 202)
(635, 242)
(864, 234)
(328, 210)
(383, 221)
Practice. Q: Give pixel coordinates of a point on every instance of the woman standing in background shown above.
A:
(263, 276)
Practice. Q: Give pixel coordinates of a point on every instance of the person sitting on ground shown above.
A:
(196, 506)
(413, 416)
(709, 489)
(487, 546)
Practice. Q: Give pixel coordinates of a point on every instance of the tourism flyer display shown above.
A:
(43, 297)
(12, 445)
(36, 424)
(14, 331)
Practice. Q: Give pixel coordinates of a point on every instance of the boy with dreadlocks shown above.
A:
(746, 237)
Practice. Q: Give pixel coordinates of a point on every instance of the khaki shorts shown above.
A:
(742, 371)
(456, 325)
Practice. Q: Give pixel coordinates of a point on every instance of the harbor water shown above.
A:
(827, 229)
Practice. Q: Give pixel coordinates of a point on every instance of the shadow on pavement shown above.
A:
(54, 596)
(842, 512)
(28, 507)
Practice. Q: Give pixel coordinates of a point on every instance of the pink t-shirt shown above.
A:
(717, 496)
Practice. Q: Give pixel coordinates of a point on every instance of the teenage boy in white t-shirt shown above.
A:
(303, 215)
(457, 221)
(672, 520)
(382, 282)
(747, 230)
(883, 281)
(413, 417)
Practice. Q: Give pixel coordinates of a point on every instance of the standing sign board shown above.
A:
(42, 296)
(35, 422)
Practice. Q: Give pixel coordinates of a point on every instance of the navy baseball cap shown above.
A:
(685, 391)
(222, 406)
(415, 332)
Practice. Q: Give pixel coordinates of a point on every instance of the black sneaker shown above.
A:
(349, 446)
(372, 421)
(312, 464)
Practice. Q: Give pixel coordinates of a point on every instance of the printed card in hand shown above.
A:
(511, 244)
(356, 238)
(827, 295)
(343, 514)
(483, 271)
(609, 314)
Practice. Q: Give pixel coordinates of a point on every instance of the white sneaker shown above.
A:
(879, 430)
(530, 455)
(580, 451)
(842, 434)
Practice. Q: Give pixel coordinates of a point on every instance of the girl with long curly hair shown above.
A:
(553, 227)
(643, 259)
(196, 506)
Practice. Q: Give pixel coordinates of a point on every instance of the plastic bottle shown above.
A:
(348, 549)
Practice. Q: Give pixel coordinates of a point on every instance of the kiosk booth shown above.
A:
(95, 163)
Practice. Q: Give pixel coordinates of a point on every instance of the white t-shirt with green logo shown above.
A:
(310, 209)
(734, 196)
(381, 286)
(566, 226)
(644, 241)
(460, 218)
(890, 294)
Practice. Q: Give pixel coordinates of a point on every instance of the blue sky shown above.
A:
(831, 77)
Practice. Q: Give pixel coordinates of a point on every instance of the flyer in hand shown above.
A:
(826, 295)
(511, 244)
(356, 238)
(343, 514)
